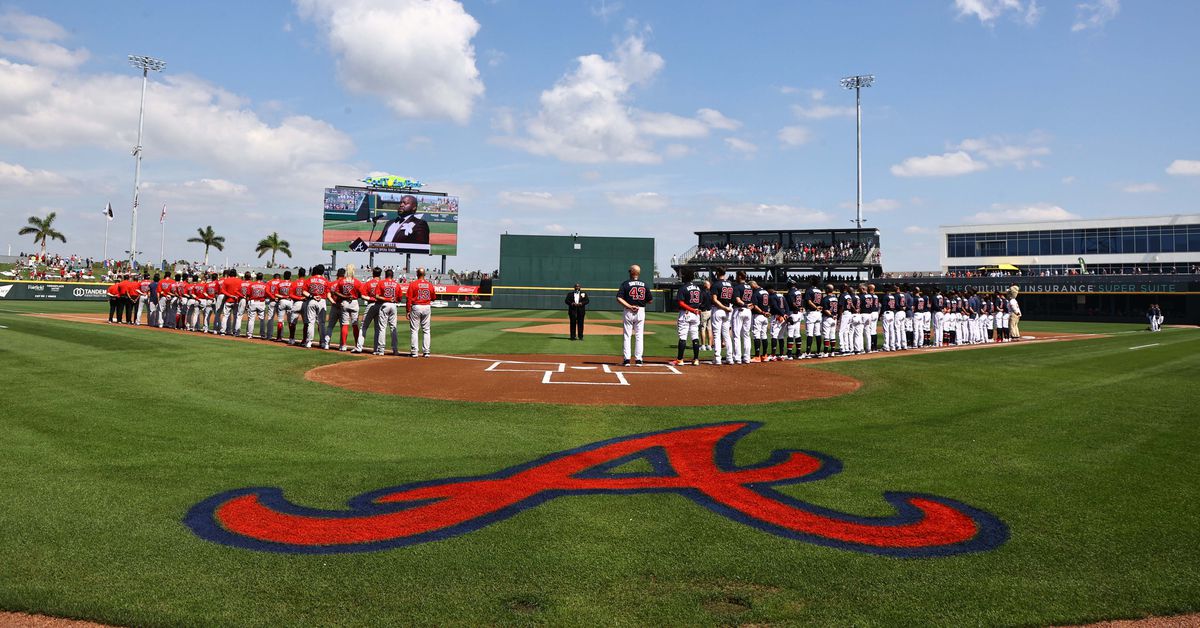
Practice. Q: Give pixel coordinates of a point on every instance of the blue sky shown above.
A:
(597, 118)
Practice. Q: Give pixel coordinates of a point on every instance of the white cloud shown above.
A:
(540, 200)
(554, 228)
(494, 57)
(675, 151)
(794, 135)
(944, 165)
(606, 10)
(1141, 188)
(741, 146)
(1001, 213)
(16, 175)
(788, 90)
(32, 26)
(200, 189)
(1094, 14)
(769, 215)
(642, 201)
(415, 55)
(503, 121)
(820, 112)
(1184, 167)
(586, 117)
(670, 125)
(913, 230)
(988, 11)
(186, 118)
(419, 142)
(877, 205)
(43, 53)
(999, 151)
(717, 120)
(1068, 180)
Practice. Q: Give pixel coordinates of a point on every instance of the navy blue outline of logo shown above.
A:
(991, 531)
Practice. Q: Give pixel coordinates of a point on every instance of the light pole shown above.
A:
(145, 64)
(856, 83)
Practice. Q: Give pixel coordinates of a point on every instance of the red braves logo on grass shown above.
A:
(696, 462)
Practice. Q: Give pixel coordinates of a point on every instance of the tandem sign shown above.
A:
(38, 290)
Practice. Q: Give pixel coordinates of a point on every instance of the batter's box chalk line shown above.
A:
(549, 369)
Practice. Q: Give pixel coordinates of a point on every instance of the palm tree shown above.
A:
(208, 238)
(42, 230)
(273, 244)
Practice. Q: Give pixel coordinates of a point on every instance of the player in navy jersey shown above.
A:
(778, 310)
(812, 319)
(760, 322)
(722, 308)
(870, 314)
(743, 297)
(829, 318)
(845, 320)
(920, 318)
(795, 300)
(937, 306)
(633, 295)
(691, 301)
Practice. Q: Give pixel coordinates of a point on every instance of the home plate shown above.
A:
(584, 368)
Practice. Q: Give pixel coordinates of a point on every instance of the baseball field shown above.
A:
(157, 478)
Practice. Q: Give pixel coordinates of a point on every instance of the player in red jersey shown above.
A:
(420, 295)
(212, 289)
(271, 306)
(346, 292)
(387, 293)
(165, 298)
(228, 295)
(299, 304)
(256, 302)
(317, 291)
(114, 302)
(371, 316)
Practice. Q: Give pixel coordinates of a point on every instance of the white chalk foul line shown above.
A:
(1144, 346)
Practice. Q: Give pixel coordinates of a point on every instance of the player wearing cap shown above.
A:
(829, 320)
(858, 320)
(346, 292)
(316, 290)
(743, 296)
(795, 300)
(416, 305)
(812, 319)
(937, 315)
(370, 317)
(166, 295)
(870, 314)
(633, 295)
(845, 344)
(387, 293)
(227, 302)
(920, 318)
(243, 306)
(706, 334)
(780, 312)
(142, 302)
(760, 322)
(299, 305)
(270, 306)
(256, 303)
(691, 300)
(283, 305)
(721, 309)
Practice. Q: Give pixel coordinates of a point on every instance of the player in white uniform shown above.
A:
(633, 295)
(690, 300)
(721, 294)
(743, 295)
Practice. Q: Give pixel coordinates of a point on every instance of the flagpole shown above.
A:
(107, 222)
(162, 241)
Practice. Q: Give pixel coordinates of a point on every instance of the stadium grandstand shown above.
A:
(779, 254)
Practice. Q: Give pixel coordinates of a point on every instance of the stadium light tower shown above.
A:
(856, 83)
(146, 64)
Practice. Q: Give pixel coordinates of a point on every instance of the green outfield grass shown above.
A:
(1085, 449)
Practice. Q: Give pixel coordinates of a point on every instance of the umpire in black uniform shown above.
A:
(577, 301)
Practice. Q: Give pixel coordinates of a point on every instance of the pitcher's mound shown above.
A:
(564, 329)
(581, 380)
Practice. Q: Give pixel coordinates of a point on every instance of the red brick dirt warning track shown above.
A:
(578, 380)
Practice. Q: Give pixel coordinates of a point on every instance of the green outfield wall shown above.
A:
(537, 271)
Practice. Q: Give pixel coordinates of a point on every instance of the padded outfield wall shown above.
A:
(537, 271)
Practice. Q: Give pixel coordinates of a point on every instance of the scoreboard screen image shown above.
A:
(364, 219)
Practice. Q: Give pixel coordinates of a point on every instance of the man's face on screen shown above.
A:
(408, 204)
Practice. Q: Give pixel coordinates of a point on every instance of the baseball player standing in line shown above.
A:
(166, 296)
(633, 295)
(812, 319)
(270, 307)
(416, 306)
(920, 318)
(829, 320)
(937, 308)
(721, 310)
(346, 291)
(211, 311)
(256, 304)
(870, 314)
(370, 319)
(130, 293)
(706, 335)
(858, 322)
(243, 309)
(780, 312)
(743, 296)
(903, 305)
(691, 299)
(760, 323)
(143, 301)
(795, 299)
(316, 290)
(227, 302)
(845, 322)
(299, 306)
(888, 303)
(387, 295)
(283, 305)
